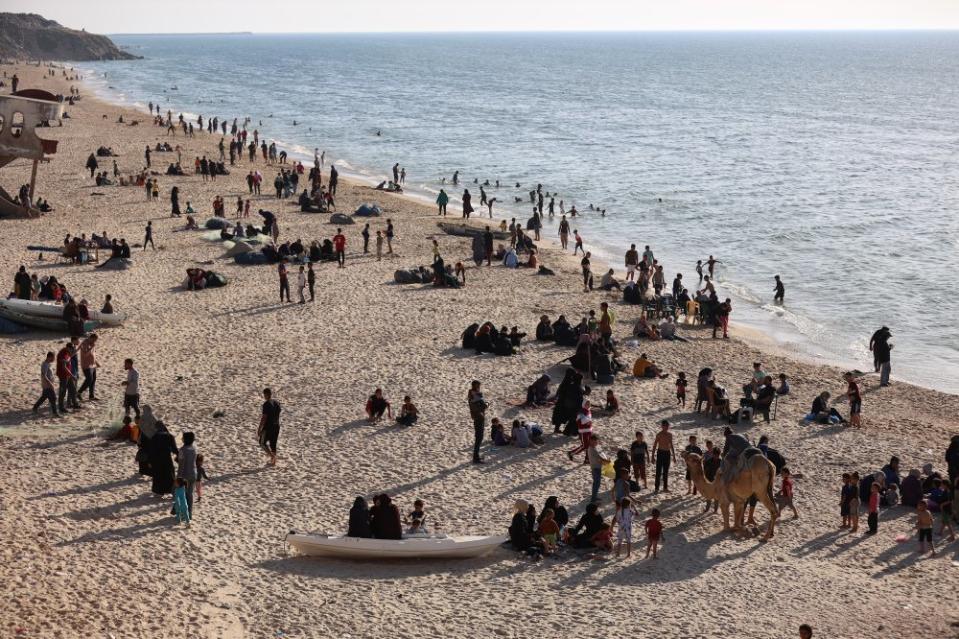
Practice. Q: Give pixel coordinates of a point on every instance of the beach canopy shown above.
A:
(368, 210)
(238, 248)
(217, 223)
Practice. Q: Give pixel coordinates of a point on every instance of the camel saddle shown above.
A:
(733, 463)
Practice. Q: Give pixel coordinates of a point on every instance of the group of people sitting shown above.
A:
(77, 249)
(522, 434)
(539, 535)
(377, 405)
(382, 521)
(174, 168)
(665, 329)
(485, 338)
(319, 201)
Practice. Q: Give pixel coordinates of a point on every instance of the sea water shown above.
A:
(827, 158)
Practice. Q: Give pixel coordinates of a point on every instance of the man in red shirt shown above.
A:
(68, 381)
(284, 280)
(339, 247)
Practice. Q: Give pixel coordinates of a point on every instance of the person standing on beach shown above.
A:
(47, 393)
(488, 246)
(339, 247)
(579, 242)
(711, 264)
(379, 246)
(663, 452)
(131, 389)
(311, 280)
(366, 237)
(564, 233)
(780, 291)
(396, 173)
(403, 175)
(88, 364)
(92, 164)
(389, 236)
(587, 272)
(301, 284)
(334, 179)
(441, 201)
(282, 271)
(722, 318)
(67, 378)
(467, 203)
(175, 202)
(269, 430)
(148, 236)
(146, 156)
(882, 353)
(477, 407)
(632, 259)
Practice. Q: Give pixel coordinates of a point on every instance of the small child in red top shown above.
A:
(785, 494)
(873, 510)
(681, 389)
(654, 532)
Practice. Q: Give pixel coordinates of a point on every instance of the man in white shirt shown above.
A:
(131, 392)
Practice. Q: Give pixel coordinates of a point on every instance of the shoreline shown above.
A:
(84, 526)
(779, 330)
(760, 331)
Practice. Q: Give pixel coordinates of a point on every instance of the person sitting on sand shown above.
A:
(821, 413)
(544, 330)
(644, 367)
(376, 405)
(521, 536)
(608, 282)
(408, 413)
(498, 434)
(643, 329)
(385, 519)
(537, 394)
(589, 524)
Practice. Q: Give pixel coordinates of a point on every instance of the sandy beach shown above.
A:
(87, 552)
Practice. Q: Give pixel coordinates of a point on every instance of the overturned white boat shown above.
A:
(52, 310)
(431, 547)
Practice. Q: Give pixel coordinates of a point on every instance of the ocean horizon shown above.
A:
(826, 157)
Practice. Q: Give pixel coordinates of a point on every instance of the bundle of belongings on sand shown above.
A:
(198, 279)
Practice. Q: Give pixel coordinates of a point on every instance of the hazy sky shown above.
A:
(124, 16)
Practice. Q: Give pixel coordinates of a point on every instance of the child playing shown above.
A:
(844, 494)
(416, 529)
(854, 502)
(621, 487)
(639, 455)
(873, 509)
(681, 389)
(603, 539)
(624, 524)
(785, 494)
(180, 506)
(654, 532)
(941, 495)
(549, 530)
(612, 404)
(418, 515)
(924, 525)
(200, 476)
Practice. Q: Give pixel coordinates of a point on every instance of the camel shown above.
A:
(756, 478)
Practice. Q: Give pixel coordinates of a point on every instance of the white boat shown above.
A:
(55, 311)
(433, 547)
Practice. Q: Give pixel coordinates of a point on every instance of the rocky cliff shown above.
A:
(27, 36)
